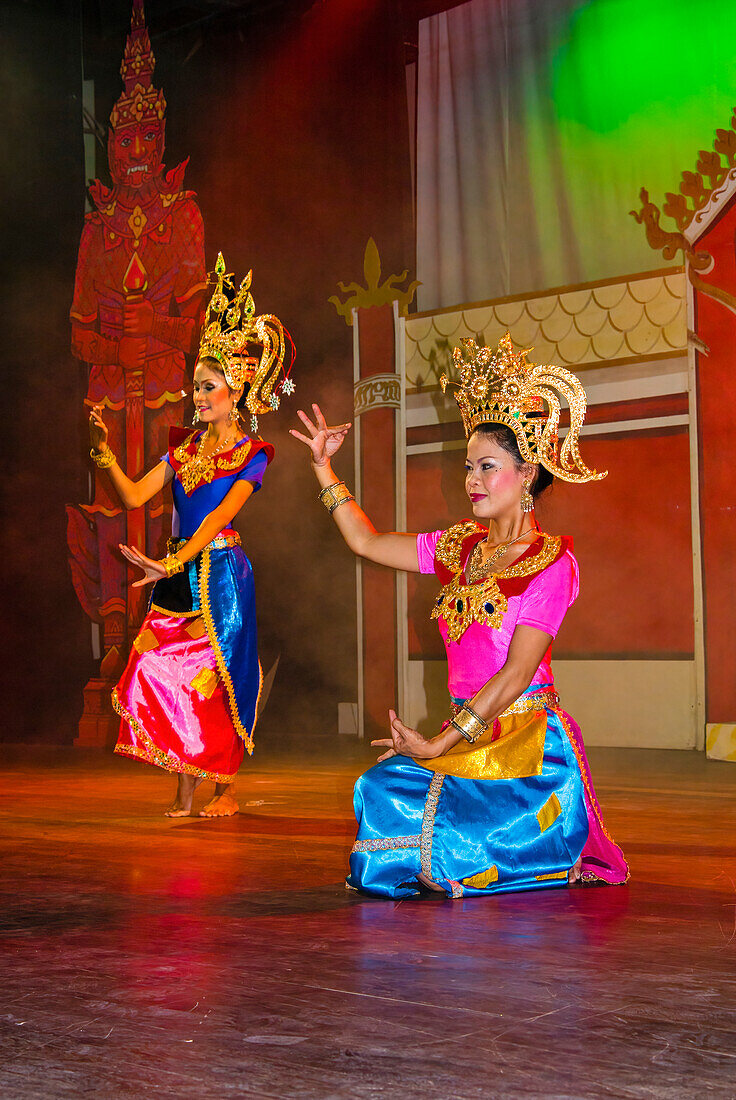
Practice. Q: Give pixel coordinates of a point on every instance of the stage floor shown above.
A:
(213, 959)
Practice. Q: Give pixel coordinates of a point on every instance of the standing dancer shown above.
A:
(188, 698)
(501, 798)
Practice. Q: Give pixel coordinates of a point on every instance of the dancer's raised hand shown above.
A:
(325, 441)
(152, 570)
(97, 428)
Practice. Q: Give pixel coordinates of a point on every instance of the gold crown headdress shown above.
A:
(501, 387)
(230, 327)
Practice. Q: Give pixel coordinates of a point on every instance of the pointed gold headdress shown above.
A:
(140, 100)
(231, 326)
(501, 387)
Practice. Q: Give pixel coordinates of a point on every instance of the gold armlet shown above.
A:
(172, 565)
(469, 724)
(334, 495)
(102, 459)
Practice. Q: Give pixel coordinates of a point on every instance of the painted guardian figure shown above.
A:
(135, 316)
(501, 799)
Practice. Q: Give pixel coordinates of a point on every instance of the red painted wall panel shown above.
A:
(632, 539)
(715, 324)
(378, 447)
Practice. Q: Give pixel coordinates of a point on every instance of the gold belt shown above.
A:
(538, 700)
(222, 542)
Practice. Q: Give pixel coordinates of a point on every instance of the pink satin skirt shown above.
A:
(172, 703)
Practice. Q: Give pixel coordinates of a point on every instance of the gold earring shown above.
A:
(195, 418)
(527, 500)
(234, 415)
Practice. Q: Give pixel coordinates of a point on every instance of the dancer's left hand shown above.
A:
(153, 570)
(405, 741)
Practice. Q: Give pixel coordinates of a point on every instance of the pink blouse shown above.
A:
(482, 651)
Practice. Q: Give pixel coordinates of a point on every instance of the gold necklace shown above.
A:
(477, 568)
(200, 467)
(217, 449)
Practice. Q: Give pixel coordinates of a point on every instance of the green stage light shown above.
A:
(622, 58)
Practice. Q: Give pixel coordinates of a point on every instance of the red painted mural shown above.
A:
(135, 316)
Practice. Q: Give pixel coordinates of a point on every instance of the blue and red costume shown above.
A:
(188, 698)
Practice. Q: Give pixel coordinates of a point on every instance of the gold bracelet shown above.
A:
(332, 493)
(469, 724)
(172, 565)
(102, 459)
(332, 496)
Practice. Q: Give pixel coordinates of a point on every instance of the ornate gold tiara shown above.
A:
(231, 326)
(501, 387)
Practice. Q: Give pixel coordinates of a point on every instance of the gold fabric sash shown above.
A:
(516, 753)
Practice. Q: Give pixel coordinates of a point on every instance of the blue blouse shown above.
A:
(190, 510)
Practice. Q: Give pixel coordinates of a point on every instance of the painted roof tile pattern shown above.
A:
(634, 318)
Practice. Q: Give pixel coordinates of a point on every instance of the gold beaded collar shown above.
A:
(484, 601)
(197, 469)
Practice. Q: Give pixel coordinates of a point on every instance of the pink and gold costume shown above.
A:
(516, 809)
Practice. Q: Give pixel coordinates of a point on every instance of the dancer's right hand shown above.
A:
(97, 429)
(325, 441)
(152, 570)
(405, 741)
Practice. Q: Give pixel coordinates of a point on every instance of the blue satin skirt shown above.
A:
(227, 597)
(472, 836)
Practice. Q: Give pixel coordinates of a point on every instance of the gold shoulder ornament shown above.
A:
(449, 547)
(181, 453)
(237, 459)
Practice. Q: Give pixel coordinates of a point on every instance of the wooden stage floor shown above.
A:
(213, 959)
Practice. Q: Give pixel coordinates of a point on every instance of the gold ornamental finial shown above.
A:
(375, 292)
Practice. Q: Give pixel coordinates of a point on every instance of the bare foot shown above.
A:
(223, 803)
(573, 875)
(182, 804)
(430, 883)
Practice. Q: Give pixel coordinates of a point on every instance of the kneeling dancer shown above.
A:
(501, 798)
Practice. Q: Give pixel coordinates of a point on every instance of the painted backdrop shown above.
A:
(136, 312)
